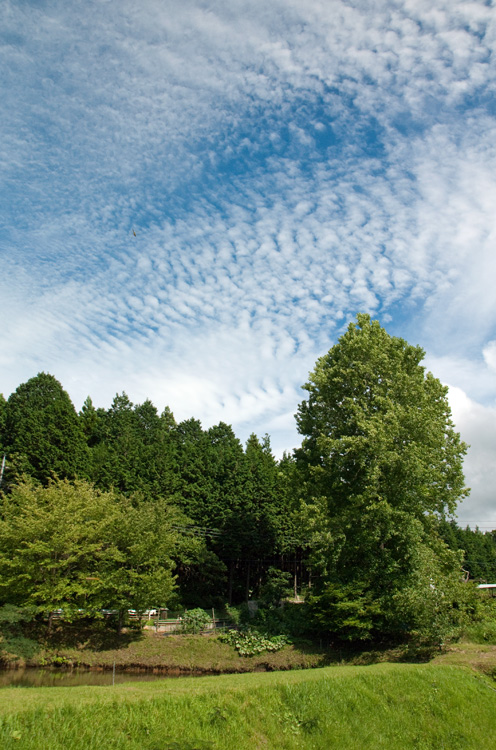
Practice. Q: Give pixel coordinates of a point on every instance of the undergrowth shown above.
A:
(251, 642)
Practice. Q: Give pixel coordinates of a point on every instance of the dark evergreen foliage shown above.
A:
(479, 550)
(43, 436)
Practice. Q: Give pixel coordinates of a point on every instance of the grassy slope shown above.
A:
(175, 653)
(380, 706)
(444, 704)
(199, 654)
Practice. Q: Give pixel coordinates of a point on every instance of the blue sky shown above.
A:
(283, 166)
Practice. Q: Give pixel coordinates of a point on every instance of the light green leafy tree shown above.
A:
(70, 546)
(380, 459)
(146, 544)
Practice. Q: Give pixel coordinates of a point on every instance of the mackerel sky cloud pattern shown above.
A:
(196, 198)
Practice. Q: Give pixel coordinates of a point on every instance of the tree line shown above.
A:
(126, 508)
(231, 501)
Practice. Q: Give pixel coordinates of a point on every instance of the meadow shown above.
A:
(422, 706)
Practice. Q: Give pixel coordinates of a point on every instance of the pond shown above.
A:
(71, 678)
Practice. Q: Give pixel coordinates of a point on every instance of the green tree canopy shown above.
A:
(130, 447)
(70, 546)
(376, 425)
(379, 456)
(479, 549)
(43, 435)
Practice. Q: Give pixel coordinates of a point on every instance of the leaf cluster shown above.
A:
(251, 642)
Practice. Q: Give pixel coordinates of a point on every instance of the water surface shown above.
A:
(30, 677)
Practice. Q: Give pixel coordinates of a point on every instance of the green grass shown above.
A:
(482, 632)
(99, 649)
(421, 706)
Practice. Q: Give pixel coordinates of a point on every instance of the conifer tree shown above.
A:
(43, 435)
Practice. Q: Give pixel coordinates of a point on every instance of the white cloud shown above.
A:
(489, 354)
(477, 425)
(283, 166)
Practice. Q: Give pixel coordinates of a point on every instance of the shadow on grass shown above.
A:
(93, 635)
(371, 653)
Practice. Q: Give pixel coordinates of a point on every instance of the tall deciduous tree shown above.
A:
(380, 456)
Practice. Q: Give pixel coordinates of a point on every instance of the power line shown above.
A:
(202, 531)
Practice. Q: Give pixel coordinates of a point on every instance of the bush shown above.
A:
(482, 628)
(290, 619)
(481, 632)
(12, 640)
(195, 620)
(250, 642)
(238, 615)
(276, 587)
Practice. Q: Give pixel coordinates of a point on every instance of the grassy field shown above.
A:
(380, 706)
(368, 702)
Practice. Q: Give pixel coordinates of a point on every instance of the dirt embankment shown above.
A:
(171, 654)
(148, 651)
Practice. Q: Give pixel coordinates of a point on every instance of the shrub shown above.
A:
(290, 619)
(251, 643)
(195, 620)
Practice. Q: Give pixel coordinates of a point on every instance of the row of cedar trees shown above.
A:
(237, 499)
(240, 500)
